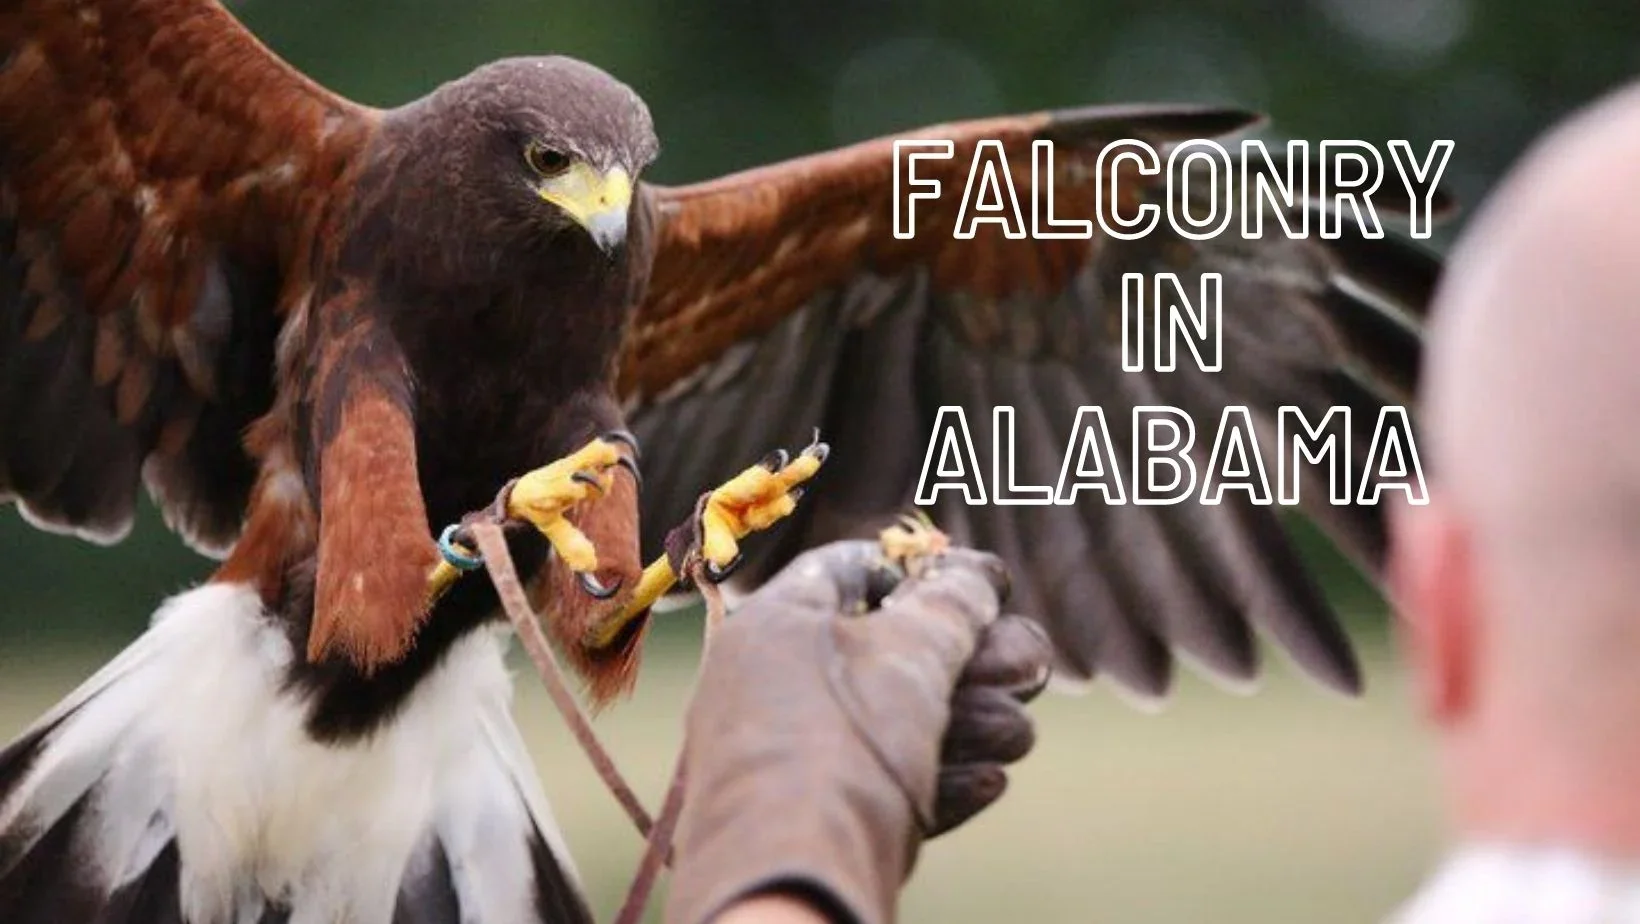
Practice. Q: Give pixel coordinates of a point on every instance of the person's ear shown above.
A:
(1433, 585)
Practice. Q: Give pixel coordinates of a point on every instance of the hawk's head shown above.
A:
(522, 153)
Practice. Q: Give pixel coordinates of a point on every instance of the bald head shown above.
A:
(1532, 399)
(1521, 580)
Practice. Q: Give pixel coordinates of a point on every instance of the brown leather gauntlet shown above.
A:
(830, 735)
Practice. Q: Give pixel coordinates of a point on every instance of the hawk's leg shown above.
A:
(752, 501)
(543, 497)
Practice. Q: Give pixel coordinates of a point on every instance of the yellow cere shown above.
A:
(583, 193)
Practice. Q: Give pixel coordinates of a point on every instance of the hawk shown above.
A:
(317, 333)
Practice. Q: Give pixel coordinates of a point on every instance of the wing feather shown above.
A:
(780, 301)
(162, 176)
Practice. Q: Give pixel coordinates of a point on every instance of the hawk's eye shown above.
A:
(544, 160)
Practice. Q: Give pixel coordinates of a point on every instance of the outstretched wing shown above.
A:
(780, 301)
(162, 175)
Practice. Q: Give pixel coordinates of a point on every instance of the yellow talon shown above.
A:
(543, 496)
(753, 500)
(719, 545)
(912, 538)
(656, 582)
(552, 489)
(574, 548)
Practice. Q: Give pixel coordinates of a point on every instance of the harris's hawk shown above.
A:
(318, 332)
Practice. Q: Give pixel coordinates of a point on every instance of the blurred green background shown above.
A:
(1287, 806)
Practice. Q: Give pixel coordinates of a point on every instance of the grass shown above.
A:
(1291, 805)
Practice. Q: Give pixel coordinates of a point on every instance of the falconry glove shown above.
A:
(843, 715)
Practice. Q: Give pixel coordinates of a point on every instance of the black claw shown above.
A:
(624, 436)
(775, 461)
(631, 466)
(718, 575)
(589, 479)
(820, 451)
(593, 588)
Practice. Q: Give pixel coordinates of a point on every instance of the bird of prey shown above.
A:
(319, 333)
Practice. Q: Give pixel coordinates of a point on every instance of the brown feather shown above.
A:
(738, 254)
(611, 522)
(374, 549)
(144, 138)
(781, 302)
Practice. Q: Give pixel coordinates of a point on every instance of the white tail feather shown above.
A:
(193, 736)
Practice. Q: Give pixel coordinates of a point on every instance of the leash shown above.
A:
(498, 562)
(777, 476)
(658, 851)
(657, 831)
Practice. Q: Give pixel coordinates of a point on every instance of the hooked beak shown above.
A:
(598, 202)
